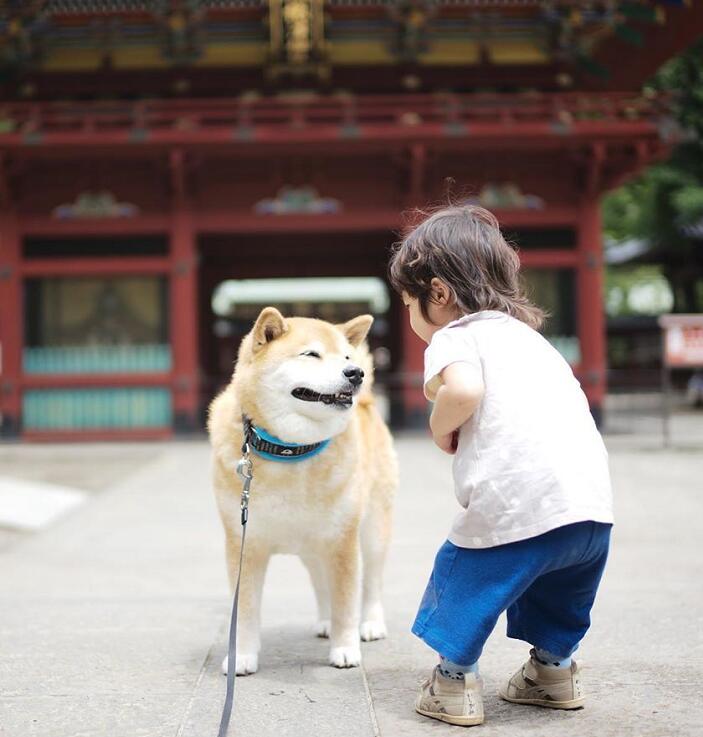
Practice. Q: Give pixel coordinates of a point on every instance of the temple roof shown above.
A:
(94, 48)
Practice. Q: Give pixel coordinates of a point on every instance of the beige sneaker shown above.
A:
(534, 683)
(451, 701)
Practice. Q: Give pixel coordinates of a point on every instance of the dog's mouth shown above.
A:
(340, 399)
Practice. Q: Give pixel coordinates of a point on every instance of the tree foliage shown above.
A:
(668, 196)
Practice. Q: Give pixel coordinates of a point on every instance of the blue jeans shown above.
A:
(547, 584)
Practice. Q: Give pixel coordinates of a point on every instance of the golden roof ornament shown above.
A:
(297, 42)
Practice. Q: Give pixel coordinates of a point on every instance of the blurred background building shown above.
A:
(167, 168)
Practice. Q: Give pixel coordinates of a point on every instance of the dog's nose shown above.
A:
(354, 374)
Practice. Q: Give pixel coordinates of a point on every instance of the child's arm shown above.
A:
(455, 401)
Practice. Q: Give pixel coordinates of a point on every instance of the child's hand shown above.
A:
(448, 443)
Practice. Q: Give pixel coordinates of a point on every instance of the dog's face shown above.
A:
(302, 375)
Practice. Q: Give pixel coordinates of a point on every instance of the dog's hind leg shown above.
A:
(318, 576)
(344, 570)
(375, 530)
(256, 559)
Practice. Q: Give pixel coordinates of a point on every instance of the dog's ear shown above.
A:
(269, 326)
(356, 329)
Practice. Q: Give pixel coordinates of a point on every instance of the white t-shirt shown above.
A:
(530, 458)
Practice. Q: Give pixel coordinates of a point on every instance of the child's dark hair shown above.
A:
(462, 245)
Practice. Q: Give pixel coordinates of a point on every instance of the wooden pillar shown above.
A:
(414, 412)
(183, 303)
(11, 313)
(416, 188)
(411, 372)
(590, 305)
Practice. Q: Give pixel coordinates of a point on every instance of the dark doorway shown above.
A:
(289, 256)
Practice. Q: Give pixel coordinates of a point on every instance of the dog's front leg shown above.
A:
(317, 569)
(256, 559)
(344, 573)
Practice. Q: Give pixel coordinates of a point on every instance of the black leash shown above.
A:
(245, 472)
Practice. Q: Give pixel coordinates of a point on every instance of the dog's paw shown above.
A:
(322, 628)
(246, 664)
(345, 657)
(373, 630)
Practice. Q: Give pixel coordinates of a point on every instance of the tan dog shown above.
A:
(306, 381)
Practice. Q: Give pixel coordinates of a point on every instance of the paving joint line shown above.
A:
(369, 702)
(199, 680)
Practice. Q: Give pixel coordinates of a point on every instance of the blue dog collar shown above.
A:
(274, 449)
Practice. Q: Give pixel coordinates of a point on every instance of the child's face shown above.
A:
(439, 312)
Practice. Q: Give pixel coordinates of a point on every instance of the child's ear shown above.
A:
(441, 293)
(269, 326)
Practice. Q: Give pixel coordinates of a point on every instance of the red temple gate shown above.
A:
(154, 203)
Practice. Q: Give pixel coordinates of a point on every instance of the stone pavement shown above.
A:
(113, 620)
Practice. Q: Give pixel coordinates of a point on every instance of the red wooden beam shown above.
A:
(183, 308)
(411, 369)
(589, 303)
(228, 221)
(11, 310)
(353, 221)
(418, 167)
(73, 436)
(33, 225)
(646, 152)
(132, 265)
(596, 161)
(519, 134)
(550, 216)
(71, 381)
(359, 220)
(316, 107)
(398, 120)
(11, 322)
(556, 259)
(5, 194)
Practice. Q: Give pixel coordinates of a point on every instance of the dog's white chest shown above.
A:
(293, 513)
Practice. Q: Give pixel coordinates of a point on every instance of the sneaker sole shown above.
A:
(457, 721)
(573, 704)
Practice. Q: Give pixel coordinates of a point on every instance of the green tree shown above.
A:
(658, 205)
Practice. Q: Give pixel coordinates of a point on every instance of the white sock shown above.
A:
(551, 660)
(455, 671)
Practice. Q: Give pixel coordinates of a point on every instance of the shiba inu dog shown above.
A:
(324, 475)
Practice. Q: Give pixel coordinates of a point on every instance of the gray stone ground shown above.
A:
(113, 620)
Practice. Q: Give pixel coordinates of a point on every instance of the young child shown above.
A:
(530, 471)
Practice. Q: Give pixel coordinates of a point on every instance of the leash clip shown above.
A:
(245, 470)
